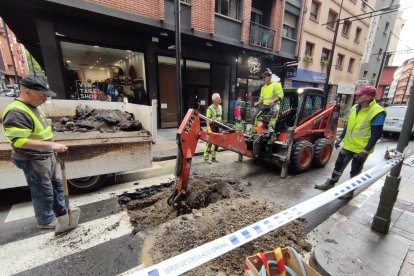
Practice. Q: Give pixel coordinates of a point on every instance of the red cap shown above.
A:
(366, 90)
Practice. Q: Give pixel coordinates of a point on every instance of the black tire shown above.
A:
(301, 157)
(86, 184)
(322, 152)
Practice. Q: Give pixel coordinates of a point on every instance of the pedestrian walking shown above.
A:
(361, 133)
(271, 94)
(214, 112)
(31, 138)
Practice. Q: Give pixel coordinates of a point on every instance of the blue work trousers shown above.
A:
(45, 187)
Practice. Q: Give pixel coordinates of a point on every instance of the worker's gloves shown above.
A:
(208, 129)
(338, 143)
(362, 156)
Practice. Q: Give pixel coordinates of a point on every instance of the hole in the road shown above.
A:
(147, 207)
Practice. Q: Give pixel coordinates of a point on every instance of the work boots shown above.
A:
(330, 182)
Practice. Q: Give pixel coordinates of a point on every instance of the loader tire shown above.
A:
(302, 155)
(86, 184)
(322, 152)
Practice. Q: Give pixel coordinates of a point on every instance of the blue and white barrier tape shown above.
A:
(211, 250)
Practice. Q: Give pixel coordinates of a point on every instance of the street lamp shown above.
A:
(358, 17)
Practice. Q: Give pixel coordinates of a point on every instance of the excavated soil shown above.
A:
(218, 208)
(92, 119)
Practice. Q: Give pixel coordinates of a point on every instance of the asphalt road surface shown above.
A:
(103, 244)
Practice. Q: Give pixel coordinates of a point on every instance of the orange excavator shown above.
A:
(304, 135)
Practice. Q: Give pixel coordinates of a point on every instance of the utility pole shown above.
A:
(16, 77)
(331, 56)
(389, 192)
(178, 60)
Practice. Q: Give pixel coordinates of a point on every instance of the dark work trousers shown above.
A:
(344, 157)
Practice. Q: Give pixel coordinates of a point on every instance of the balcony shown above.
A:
(261, 36)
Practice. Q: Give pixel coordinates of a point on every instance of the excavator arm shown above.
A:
(188, 134)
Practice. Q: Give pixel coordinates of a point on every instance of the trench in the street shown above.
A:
(217, 208)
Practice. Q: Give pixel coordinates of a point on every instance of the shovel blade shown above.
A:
(67, 222)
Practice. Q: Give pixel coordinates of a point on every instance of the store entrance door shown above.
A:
(168, 96)
(197, 97)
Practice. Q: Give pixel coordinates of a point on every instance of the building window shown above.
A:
(228, 8)
(386, 27)
(289, 25)
(256, 16)
(326, 53)
(309, 49)
(345, 28)
(331, 19)
(314, 11)
(379, 54)
(364, 4)
(365, 75)
(351, 65)
(188, 2)
(357, 34)
(339, 61)
(373, 79)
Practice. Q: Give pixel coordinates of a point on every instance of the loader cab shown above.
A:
(298, 106)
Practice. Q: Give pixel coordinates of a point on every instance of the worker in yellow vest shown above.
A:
(31, 138)
(214, 112)
(361, 133)
(271, 95)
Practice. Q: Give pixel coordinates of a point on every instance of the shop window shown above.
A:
(339, 61)
(332, 20)
(107, 74)
(228, 8)
(345, 28)
(351, 65)
(314, 11)
(357, 34)
(289, 25)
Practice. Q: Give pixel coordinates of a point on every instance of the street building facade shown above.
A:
(403, 79)
(7, 73)
(93, 49)
(377, 44)
(392, 47)
(385, 82)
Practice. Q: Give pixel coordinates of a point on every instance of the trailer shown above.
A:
(92, 156)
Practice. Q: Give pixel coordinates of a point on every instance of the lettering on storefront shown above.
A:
(85, 91)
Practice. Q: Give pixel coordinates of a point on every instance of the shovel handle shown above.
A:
(61, 159)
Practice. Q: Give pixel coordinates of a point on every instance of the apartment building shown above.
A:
(316, 45)
(7, 73)
(129, 45)
(380, 36)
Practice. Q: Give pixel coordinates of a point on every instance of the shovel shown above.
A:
(70, 220)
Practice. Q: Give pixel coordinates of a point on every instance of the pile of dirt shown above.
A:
(218, 208)
(103, 120)
(217, 220)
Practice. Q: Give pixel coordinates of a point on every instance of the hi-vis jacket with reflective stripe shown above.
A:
(269, 92)
(215, 113)
(358, 129)
(41, 131)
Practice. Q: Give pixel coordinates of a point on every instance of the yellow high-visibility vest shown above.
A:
(358, 130)
(269, 92)
(39, 132)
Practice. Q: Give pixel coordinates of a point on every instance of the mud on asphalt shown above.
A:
(217, 208)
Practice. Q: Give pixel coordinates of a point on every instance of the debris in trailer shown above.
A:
(103, 120)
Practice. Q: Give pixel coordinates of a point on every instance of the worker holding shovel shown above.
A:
(31, 137)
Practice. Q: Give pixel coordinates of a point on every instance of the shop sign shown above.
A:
(86, 91)
(310, 76)
(370, 39)
(250, 68)
(345, 88)
(292, 72)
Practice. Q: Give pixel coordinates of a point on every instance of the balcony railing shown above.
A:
(261, 36)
